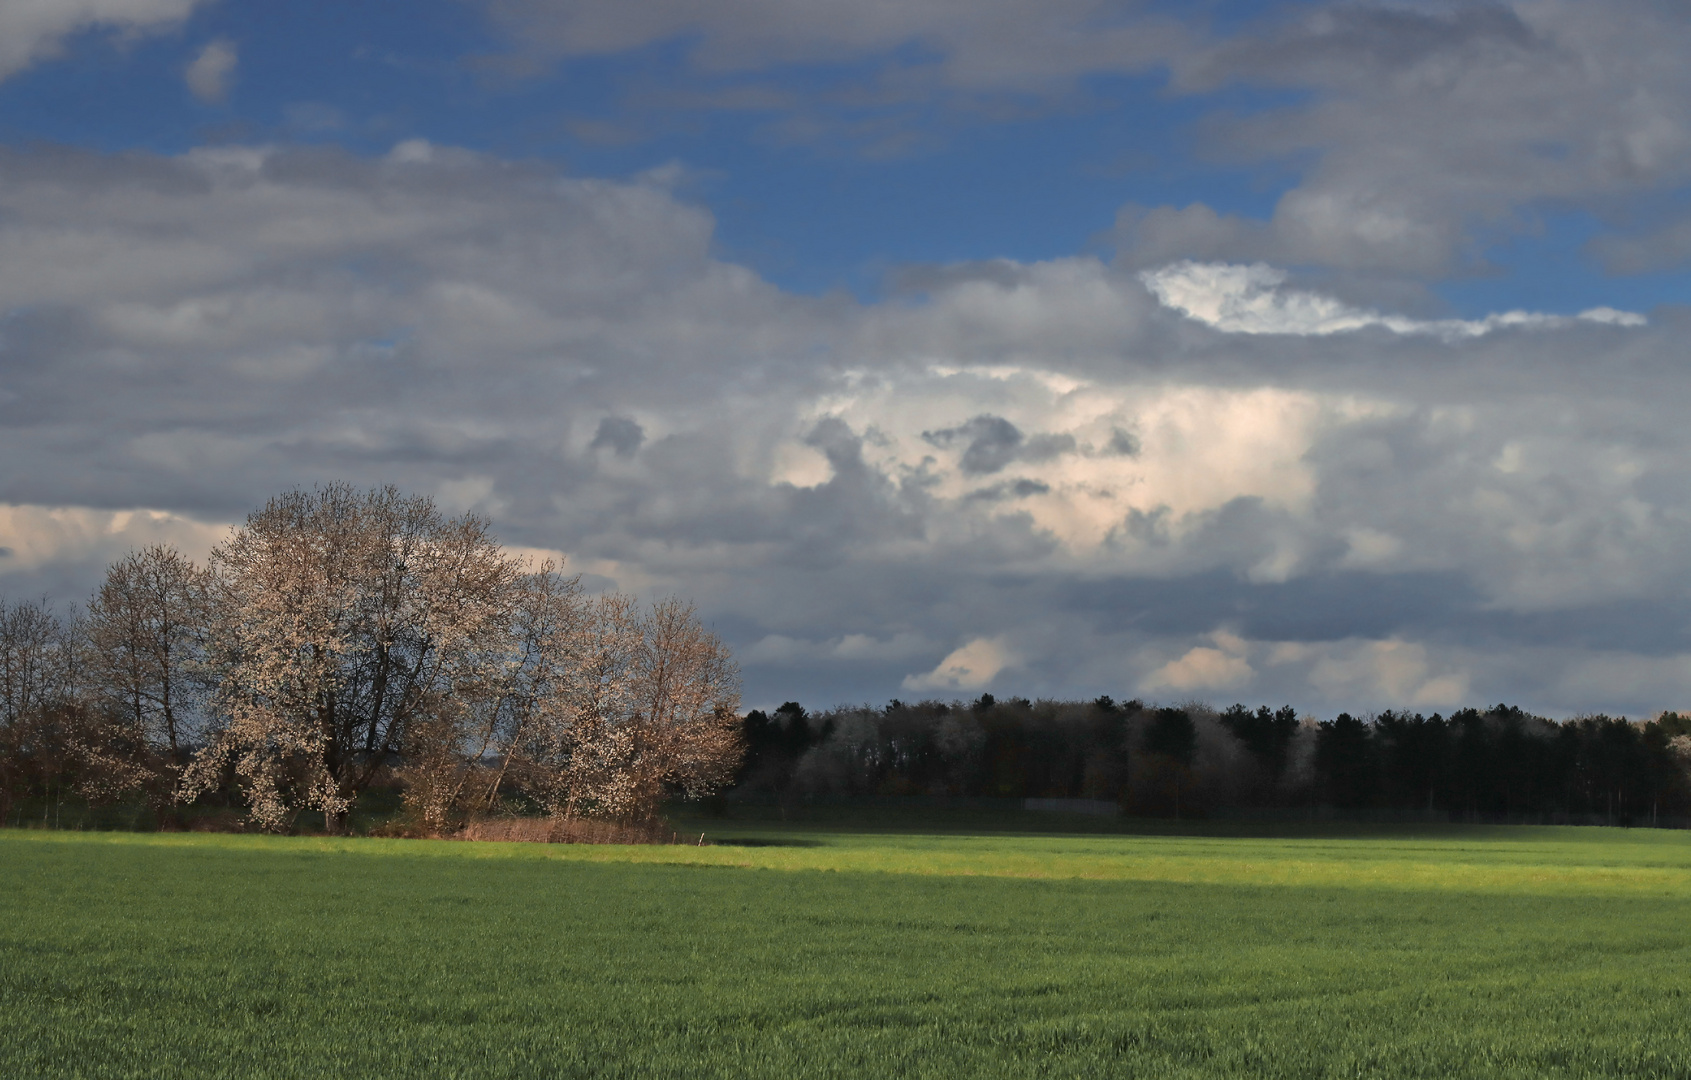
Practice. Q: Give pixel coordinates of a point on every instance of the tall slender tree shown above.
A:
(147, 628)
(39, 663)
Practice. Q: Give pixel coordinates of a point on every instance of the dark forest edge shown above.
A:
(1499, 764)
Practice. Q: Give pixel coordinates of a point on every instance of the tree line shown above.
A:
(1500, 763)
(344, 639)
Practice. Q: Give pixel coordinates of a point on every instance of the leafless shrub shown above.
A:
(220, 821)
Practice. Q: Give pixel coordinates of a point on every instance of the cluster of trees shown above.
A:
(342, 639)
(1497, 764)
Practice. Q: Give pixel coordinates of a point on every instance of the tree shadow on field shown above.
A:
(766, 841)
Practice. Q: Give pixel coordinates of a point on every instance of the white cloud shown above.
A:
(787, 650)
(970, 667)
(1029, 442)
(210, 73)
(1371, 549)
(778, 649)
(536, 557)
(1241, 299)
(32, 537)
(35, 30)
(800, 465)
(1221, 667)
(1355, 673)
(895, 649)
(1393, 671)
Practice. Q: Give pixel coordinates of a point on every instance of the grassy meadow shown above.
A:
(817, 949)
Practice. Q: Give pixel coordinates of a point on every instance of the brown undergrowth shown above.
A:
(559, 830)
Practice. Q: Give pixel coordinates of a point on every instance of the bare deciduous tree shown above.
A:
(146, 629)
(53, 738)
(37, 665)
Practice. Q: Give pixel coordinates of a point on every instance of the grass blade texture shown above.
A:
(820, 952)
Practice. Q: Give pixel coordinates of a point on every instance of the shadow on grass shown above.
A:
(774, 826)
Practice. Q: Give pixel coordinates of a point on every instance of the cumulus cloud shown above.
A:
(1034, 466)
(1205, 668)
(1251, 300)
(969, 667)
(61, 550)
(31, 32)
(1391, 670)
(1199, 450)
(35, 536)
(210, 73)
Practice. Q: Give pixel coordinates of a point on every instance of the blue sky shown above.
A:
(837, 198)
(937, 321)
(839, 209)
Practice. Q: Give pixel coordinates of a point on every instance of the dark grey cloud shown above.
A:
(1125, 443)
(990, 443)
(875, 76)
(620, 435)
(1019, 43)
(1010, 489)
(1352, 43)
(1042, 456)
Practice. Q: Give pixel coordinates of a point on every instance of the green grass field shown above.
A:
(795, 950)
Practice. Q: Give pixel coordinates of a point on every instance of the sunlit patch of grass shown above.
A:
(1444, 953)
(1506, 859)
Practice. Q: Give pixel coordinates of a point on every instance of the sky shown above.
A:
(1324, 354)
